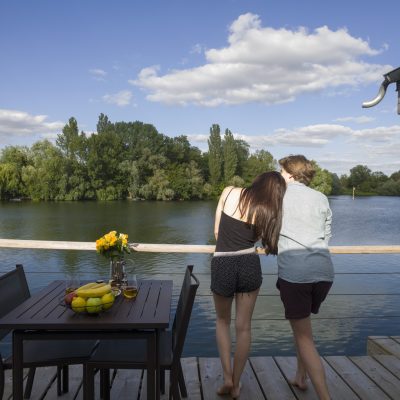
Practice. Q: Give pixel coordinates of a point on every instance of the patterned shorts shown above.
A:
(235, 274)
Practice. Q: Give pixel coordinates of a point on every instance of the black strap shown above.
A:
(223, 206)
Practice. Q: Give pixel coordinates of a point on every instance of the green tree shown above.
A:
(322, 180)
(103, 123)
(395, 176)
(12, 160)
(359, 175)
(43, 175)
(230, 163)
(69, 141)
(104, 156)
(158, 187)
(215, 155)
(336, 184)
(390, 187)
(10, 181)
(259, 162)
(242, 151)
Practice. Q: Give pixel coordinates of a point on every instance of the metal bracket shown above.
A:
(390, 77)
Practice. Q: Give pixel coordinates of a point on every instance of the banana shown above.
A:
(94, 291)
(87, 286)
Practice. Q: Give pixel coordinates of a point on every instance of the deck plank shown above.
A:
(192, 378)
(273, 383)
(396, 338)
(75, 384)
(126, 384)
(383, 345)
(210, 376)
(250, 386)
(45, 377)
(288, 366)
(349, 378)
(338, 388)
(380, 375)
(392, 363)
(364, 387)
(7, 395)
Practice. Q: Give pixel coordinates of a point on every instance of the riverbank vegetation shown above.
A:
(133, 160)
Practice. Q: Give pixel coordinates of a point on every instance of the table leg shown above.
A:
(17, 371)
(158, 380)
(151, 365)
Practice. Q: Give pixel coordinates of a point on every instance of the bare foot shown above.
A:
(225, 388)
(299, 383)
(235, 391)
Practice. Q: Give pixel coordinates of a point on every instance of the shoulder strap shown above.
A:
(227, 197)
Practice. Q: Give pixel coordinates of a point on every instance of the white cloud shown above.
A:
(267, 65)
(98, 74)
(358, 120)
(121, 99)
(318, 135)
(19, 123)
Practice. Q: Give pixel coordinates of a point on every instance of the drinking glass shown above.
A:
(130, 288)
(72, 282)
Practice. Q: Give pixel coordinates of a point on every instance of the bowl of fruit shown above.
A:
(92, 298)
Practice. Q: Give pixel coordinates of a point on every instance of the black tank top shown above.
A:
(234, 235)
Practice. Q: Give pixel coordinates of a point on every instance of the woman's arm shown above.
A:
(219, 209)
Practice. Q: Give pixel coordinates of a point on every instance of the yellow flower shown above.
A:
(113, 243)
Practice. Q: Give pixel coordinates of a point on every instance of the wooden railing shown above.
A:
(176, 248)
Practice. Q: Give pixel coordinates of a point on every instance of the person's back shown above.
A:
(303, 254)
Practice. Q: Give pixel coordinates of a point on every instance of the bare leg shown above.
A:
(308, 356)
(300, 379)
(223, 306)
(244, 310)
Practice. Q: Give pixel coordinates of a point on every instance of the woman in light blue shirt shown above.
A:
(305, 270)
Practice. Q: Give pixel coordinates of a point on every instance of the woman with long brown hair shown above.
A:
(243, 216)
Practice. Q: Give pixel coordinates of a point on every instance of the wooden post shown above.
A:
(354, 189)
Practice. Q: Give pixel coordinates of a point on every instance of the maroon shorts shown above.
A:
(302, 299)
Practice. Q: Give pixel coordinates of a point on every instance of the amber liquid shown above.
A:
(130, 292)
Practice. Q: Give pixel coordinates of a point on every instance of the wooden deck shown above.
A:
(364, 377)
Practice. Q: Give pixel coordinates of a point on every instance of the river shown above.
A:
(364, 300)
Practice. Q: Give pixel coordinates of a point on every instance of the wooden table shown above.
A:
(44, 317)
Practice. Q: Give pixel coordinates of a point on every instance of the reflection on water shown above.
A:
(365, 298)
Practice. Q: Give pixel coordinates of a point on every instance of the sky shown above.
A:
(286, 76)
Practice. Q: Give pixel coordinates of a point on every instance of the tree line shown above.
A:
(133, 160)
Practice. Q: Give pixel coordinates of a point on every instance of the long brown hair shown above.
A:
(262, 201)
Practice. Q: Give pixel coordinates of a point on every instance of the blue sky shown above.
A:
(287, 76)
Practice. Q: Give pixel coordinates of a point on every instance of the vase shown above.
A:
(117, 271)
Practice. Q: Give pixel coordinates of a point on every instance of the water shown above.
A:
(364, 300)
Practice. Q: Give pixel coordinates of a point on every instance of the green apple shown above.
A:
(93, 305)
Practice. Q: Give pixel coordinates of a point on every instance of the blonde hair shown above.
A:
(299, 167)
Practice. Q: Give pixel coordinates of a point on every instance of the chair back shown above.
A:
(183, 312)
(13, 291)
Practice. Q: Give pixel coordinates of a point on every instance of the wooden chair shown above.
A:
(38, 353)
(132, 353)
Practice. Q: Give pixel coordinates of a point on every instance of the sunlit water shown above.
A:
(364, 300)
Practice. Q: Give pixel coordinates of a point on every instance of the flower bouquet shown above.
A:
(113, 245)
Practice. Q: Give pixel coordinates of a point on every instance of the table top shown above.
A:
(45, 310)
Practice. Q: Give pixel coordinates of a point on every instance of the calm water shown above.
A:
(365, 298)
